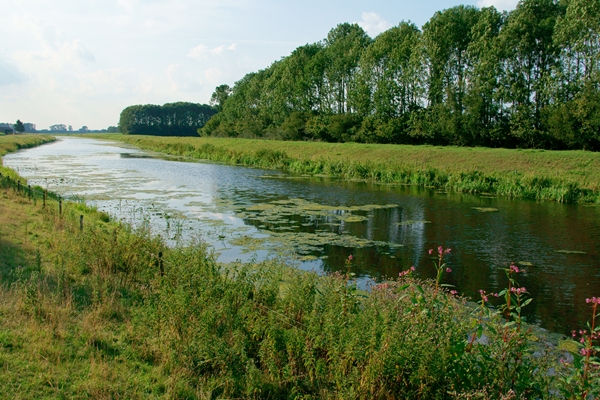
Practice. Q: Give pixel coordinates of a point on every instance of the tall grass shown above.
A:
(562, 176)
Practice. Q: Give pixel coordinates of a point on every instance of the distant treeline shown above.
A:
(526, 78)
(171, 119)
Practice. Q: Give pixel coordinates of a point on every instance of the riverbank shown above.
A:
(562, 176)
(87, 312)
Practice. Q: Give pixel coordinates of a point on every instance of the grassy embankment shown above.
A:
(563, 176)
(86, 313)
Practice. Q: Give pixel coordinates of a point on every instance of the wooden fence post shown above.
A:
(60, 206)
(160, 264)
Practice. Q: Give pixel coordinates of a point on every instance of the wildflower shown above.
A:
(518, 291)
(440, 250)
(430, 251)
(412, 268)
(483, 295)
(454, 292)
(448, 270)
(350, 258)
(514, 268)
(593, 300)
(586, 352)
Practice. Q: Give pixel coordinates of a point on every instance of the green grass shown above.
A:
(10, 143)
(563, 176)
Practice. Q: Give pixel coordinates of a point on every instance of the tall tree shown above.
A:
(530, 54)
(219, 96)
(344, 47)
(485, 123)
(391, 72)
(19, 127)
(448, 35)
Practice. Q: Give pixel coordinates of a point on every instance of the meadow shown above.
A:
(562, 176)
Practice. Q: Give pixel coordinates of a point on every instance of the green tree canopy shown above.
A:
(171, 119)
(19, 127)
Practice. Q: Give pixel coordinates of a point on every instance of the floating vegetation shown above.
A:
(570, 252)
(525, 264)
(412, 222)
(485, 209)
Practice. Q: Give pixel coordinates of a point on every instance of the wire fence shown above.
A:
(35, 194)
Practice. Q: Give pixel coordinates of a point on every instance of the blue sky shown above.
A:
(81, 62)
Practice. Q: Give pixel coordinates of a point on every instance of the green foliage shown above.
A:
(171, 119)
(19, 127)
(528, 78)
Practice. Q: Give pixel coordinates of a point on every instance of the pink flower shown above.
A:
(483, 295)
(440, 250)
(430, 251)
(350, 258)
(447, 251)
(514, 268)
(593, 300)
(448, 270)
(586, 352)
(407, 272)
(454, 292)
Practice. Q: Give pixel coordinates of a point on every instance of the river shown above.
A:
(315, 223)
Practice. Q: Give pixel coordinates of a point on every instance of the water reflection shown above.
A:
(254, 214)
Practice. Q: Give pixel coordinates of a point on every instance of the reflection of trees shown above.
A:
(482, 243)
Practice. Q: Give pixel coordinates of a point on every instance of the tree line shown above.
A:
(470, 76)
(171, 119)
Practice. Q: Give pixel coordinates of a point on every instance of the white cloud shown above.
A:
(218, 50)
(374, 23)
(201, 52)
(499, 4)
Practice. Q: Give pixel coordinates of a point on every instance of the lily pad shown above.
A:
(485, 209)
(570, 252)
(525, 264)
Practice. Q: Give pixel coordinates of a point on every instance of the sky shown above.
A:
(82, 62)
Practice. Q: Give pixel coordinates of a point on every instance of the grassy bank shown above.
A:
(10, 143)
(563, 176)
(85, 312)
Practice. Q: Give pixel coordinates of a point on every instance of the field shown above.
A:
(563, 176)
